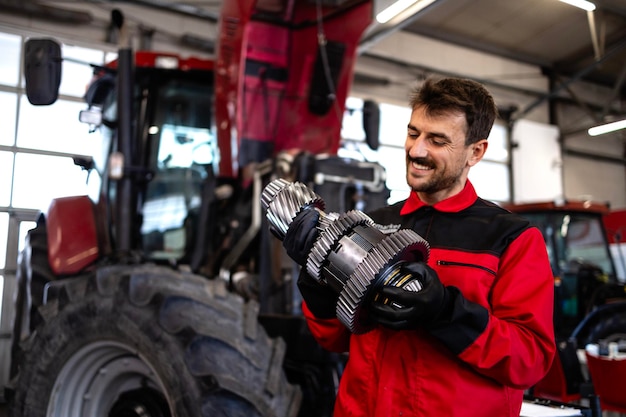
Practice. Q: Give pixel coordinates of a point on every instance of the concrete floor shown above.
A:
(3, 412)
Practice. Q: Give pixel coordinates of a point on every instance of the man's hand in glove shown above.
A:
(411, 309)
(319, 298)
(443, 311)
(301, 235)
(298, 241)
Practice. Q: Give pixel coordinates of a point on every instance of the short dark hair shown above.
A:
(457, 94)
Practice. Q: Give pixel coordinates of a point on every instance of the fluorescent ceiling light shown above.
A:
(581, 4)
(399, 6)
(606, 128)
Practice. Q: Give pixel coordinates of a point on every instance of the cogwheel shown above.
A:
(283, 200)
(333, 228)
(404, 245)
(349, 250)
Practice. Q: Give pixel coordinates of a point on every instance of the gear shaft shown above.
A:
(350, 255)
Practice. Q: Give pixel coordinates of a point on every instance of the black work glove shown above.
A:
(301, 235)
(320, 298)
(443, 311)
(411, 309)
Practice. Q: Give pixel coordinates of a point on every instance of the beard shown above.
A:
(439, 180)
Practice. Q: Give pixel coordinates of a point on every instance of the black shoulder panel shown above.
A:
(482, 227)
(388, 214)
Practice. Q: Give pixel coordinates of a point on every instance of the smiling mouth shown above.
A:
(421, 167)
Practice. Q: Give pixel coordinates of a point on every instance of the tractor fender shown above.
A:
(72, 235)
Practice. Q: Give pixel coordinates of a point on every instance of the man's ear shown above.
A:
(477, 151)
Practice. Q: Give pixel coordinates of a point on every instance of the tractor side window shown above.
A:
(183, 153)
(586, 242)
(586, 264)
(580, 261)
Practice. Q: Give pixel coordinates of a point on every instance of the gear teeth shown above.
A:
(326, 220)
(392, 248)
(283, 200)
(271, 190)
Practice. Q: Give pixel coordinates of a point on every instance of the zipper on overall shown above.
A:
(452, 263)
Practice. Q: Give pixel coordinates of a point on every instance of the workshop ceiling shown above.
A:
(551, 34)
(566, 42)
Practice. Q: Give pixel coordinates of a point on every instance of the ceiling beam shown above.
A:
(46, 12)
(170, 6)
(580, 74)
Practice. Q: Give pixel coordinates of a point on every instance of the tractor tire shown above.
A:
(33, 274)
(38, 268)
(149, 341)
(606, 322)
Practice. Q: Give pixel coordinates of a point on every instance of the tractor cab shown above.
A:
(583, 268)
(174, 147)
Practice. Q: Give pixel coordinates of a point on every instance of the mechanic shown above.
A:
(480, 330)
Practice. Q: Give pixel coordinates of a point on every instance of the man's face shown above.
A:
(437, 159)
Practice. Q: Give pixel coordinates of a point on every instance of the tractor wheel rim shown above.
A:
(91, 381)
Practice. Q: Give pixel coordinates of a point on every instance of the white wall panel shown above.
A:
(595, 180)
(537, 174)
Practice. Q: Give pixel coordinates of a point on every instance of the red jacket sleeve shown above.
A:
(517, 346)
(331, 334)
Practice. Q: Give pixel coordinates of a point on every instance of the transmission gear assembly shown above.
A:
(350, 254)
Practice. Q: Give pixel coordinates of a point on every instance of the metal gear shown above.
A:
(381, 266)
(283, 200)
(332, 229)
(350, 254)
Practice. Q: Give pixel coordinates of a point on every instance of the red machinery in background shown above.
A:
(163, 294)
(590, 299)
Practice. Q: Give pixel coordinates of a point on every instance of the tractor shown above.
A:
(163, 293)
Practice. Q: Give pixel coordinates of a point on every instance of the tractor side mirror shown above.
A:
(42, 71)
